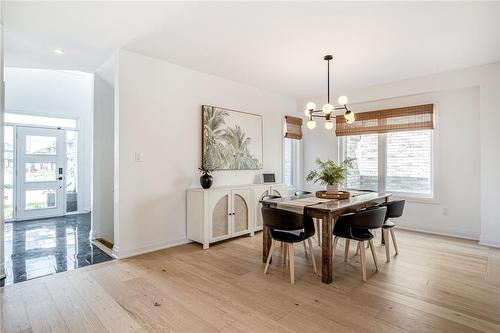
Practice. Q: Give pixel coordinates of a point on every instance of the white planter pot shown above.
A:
(332, 188)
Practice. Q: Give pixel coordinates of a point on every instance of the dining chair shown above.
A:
(288, 228)
(317, 222)
(394, 210)
(357, 226)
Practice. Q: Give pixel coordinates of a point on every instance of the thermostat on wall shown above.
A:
(269, 177)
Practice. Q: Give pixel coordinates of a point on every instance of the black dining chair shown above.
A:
(269, 197)
(288, 228)
(317, 222)
(357, 226)
(302, 193)
(394, 210)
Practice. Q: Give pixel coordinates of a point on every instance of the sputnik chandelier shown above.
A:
(328, 109)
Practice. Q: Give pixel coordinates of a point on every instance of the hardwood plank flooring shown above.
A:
(435, 284)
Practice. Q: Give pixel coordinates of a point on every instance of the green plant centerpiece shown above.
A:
(207, 167)
(330, 173)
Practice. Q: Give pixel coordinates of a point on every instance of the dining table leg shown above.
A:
(266, 242)
(326, 249)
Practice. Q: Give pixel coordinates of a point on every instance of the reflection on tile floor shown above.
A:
(41, 247)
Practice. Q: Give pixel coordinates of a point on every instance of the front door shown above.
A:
(40, 172)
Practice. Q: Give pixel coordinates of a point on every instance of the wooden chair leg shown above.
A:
(394, 241)
(374, 254)
(346, 250)
(362, 256)
(357, 250)
(287, 256)
(291, 257)
(269, 257)
(318, 231)
(282, 253)
(312, 255)
(334, 246)
(385, 232)
(305, 248)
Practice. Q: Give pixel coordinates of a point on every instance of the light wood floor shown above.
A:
(436, 284)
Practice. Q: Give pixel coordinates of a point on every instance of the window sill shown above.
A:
(415, 198)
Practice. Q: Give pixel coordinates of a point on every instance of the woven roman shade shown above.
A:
(410, 118)
(293, 127)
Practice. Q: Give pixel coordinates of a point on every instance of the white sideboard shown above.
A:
(225, 212)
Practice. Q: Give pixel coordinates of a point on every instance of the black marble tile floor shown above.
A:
(37, 248)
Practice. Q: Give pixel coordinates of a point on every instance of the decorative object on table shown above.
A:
(328, 109)
(340, 195)
(232, 140)
(330, 174)
(206, 179)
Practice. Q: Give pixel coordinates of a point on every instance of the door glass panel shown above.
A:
(71, 171)
(40, 199)
(40, 172)
(220, 220)
(240, 214)
(40, 145)
(8, 170)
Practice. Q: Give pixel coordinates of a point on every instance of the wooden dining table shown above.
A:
(328, 212)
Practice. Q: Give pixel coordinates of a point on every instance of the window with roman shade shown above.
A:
(291, 151)
(410, 118)
(392, 150)
(293, 127)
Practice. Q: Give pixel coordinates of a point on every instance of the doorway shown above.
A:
(41, 169)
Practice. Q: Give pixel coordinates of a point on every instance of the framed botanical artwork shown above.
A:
(231, 140)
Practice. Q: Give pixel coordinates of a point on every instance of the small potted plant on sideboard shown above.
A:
(206, 179)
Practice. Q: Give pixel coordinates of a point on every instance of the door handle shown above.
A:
(60, 171)
(60, 178)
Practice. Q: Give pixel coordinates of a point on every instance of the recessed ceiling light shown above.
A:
(58, 51)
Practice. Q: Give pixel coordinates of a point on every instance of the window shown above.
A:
(290, 162)
(27, 119)
(364, 173)
(409, 162)
(397, 162)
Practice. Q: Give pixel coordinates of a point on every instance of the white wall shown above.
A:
(158, 114)
(103, 158)
(61, 94)
(2, 245)
(467, 109)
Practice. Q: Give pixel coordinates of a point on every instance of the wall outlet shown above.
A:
(445, 211)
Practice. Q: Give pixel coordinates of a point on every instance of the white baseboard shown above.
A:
(121, 254)
(489, 242)
(433, 232)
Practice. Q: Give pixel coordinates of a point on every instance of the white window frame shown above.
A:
(382, 170)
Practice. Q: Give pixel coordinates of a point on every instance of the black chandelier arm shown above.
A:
(319, 116)
(335, 108)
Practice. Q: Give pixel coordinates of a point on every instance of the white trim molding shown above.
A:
(122, 254)
(489, 241)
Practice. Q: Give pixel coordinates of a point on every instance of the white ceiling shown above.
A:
(277, 46)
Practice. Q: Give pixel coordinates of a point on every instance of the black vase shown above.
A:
(206, 181)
